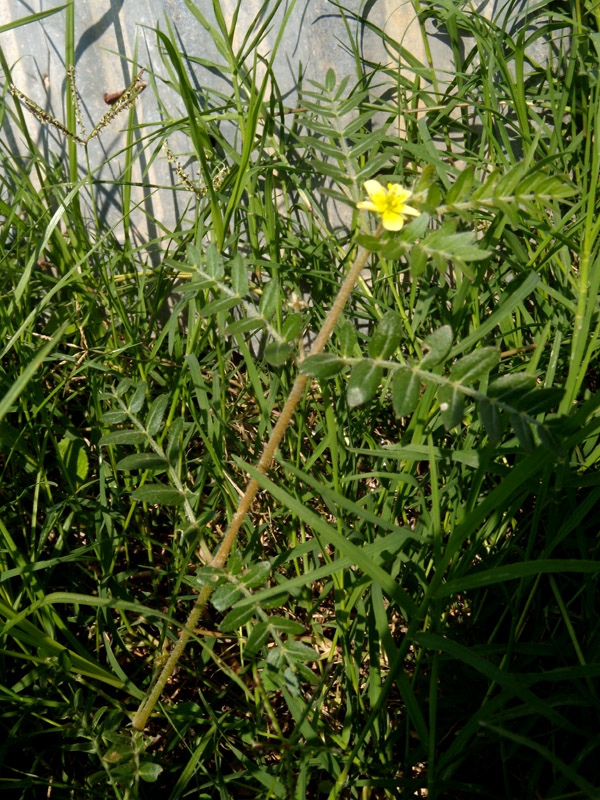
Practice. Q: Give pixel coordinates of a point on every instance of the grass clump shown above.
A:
(407, 608)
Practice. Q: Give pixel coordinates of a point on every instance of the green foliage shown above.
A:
(511, 393)
(410, 607)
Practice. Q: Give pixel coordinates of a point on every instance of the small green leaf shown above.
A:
(257, 574)
(175, 439)
(434, 196)
(73, 452)
(291, 682)
(116, 754)
(139, 396)
(330, 80)
(156, 414)
(452, 403)
(143, 461)
(475, 366)
(418, 261)
(236, 618)
(470, 252)
(194, 255)
(275, 657)
(523, 432)
(491, 421)
(239, 276)
(64, 661)
(371, 243)
(387, 336)
(214, 262)
(426, 179)
(486, 189)
(259, 635)
(540, 400)
(347, 337)
(511, 210)
(225, 596)
(292, 326)
(157, 494)
(270, 298)
(250, 324)
(123, 437)
(463, 267)
(235, 563)
(322, 366)
(277, 353)
(113, 417)
(438, 345)
(416, 228)
(364, 382)
(123, 386)
(445, 244)
(406, 388)
(275, 601)
(462, 186)
(149, 771)
(396, 249)
(300, 651)
(286, 625)
(508, 387)
(209, 576)
(440, 262)
(216, 306)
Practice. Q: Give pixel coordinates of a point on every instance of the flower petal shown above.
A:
(399, 192)
(392, 221)
(412, 211)
(374, 188)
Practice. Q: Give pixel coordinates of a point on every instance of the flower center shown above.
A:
(394, 203)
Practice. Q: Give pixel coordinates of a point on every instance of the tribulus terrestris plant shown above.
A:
(408, 604)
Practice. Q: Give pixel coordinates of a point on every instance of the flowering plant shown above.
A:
(389, 203)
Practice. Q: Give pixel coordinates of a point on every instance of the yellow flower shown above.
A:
(389, 203)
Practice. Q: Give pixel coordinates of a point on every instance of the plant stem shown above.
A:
(146, 706)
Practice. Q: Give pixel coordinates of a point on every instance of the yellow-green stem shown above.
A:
(220, 557)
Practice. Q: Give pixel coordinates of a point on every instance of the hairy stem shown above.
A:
(145, 709)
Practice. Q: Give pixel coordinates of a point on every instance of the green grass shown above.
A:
(410, 607)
